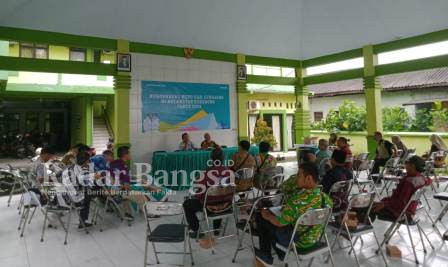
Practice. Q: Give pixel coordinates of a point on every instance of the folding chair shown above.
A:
(361, 201)
(362, 165)
(224, 209)
(403, 219)
(361, 184)
(166, 233)
(60, 208)
(339, 192)
(113, 201)
(310, 218)
(244, 179)
(439, 156)
(272, 182)
(8, 181)
(389, 174)
(273, 200)
(442, 196)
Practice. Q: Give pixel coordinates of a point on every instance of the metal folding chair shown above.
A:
(390, 174)
(245, 176)
(273, 181)
(404, 220)
(362, 201)
(442, 196)
(166, 233)
(340, 192)
(363, 165)
(223, 190)
(367, 182)
(273, 200)
(310, 218)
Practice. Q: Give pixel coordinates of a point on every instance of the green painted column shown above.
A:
(88, 119)
(242, 98)
(284, 133)
(372, 91)
(302, 124)
(122, 87)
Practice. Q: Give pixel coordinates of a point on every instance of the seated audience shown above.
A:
(212, 176)
(338, 172)
(332, 141)
(437, 144)
(389, 208)
(279, 229)
(208, 142)
(263, 161)
(69, 158)
(120, 172)
(322, 154)
(242, 158)
(344, 146)
(85, 185)
(38, 172)
(186, 144)
(399, 145)
(384, 151)
(101, 162)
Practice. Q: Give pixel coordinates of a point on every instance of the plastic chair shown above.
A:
(165, 233)
(404, 220)
(362, 201)
(310, 218)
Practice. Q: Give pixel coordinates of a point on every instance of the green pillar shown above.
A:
(122, 86)
(284, 133)
(242, 98)
(302, 125)
(88, 113)
(372, 91)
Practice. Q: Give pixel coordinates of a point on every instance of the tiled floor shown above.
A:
(121, 245)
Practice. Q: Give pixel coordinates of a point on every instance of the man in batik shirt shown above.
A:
(279, 229)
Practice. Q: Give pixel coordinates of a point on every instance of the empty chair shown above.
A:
(166, 233)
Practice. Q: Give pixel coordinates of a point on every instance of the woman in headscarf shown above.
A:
(437, 144)
(396, 140)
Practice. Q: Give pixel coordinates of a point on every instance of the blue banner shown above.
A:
(174, 106)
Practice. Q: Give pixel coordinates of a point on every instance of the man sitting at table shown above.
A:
(208, 142)
(186, 144)
(279, 229)
(212, 176)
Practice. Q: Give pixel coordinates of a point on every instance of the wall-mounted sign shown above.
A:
(174, 106)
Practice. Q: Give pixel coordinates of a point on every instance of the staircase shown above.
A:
(100, 136)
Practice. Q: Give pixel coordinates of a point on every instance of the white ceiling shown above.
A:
(275, 28)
